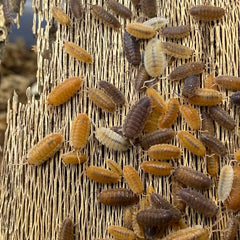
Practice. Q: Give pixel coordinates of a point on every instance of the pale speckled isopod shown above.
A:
(45, 149)
(60, 16)
(114, 167)
(119, 9)
(80, 131)
(77, 52)
(111, 139)
(225, 182)
(66, 230)
(139, 30)
(76, 8)
(121, 232)
(191, 115)
(176, 32)
(156, 22)
(157, 100)
(228, 82)
(133, 180)
(154, 59)
(74, 158)
(64, 91)
(164, 152)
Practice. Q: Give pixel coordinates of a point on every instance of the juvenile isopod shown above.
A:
(212, 164)
(127, 217)
(101, 99)
(115, 94)
(139, 30)
(149, 8)
(77, 52)
(205, 97)
(235, 98)
(133, 180)
(169, 117)
(152, 121)
(121, 232)
(45, 149)
(164, 152)
(225, 182)
(118, 197)
(136, 118)
(207, 13)
(111, 139)
(157, 168)
(60, 16)
(209, 82)
(76, 8)
(228, 82)
(131, 48)
(156, 22)
(141, 78)
(190, 86)
(157, 100)
(176, 50)
(114, 167)
(106, 17)
(119, 9)
(74, 158)
(207, 124)
(198, 202)
(176, 32)
(64, 91)
(192, 178)
(80, 130)
(191, 143)
(222, 117)
(66, 230)
(191, 116)
(102, 175)
(232, 229)
(192, 68)
(154, 59)
(176, 186)
(214, 144)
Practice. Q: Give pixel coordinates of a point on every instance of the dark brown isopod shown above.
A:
(117, 97)
(66, 230)
(176, 32)
(141, 78)
(118, 197)
(149, 8)
(77, 8)
(181, 72)
(136, 118)
(163, 135)
(136, 3)
(198, 202)
(214, 144)
(192, 178)
(119, 9)
(222, 117)
(131, 49)
(191, 84)
(235, 98)
(207, 124)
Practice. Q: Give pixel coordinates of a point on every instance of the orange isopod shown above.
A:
(121, 232)
(133, 179)
(45, 149)
(80, 131)
(77, 52)
(102, 175)
(191, 143)
(64, 91)
(191, 116)
(157, 168)
(164, 152)
(127, 217)
(152, 121)
(66, 230)
(60, 16)
(237, 155)
(212, 164)
(139, 30)
(228, 82)
(114, 167)
(74, 158)
(167, 119)
(101, 99)
(157, 100)
(209, 82)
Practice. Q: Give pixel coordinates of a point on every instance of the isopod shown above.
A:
(154, 59)
(111, 139)
(191, 115)
(212, 164)
(119, 9)
(136, 3)
(237, 155)
(136, 118)
(101, 99)
(152, 121)
(64, 91)
(66, 230)
(141, 78)
(164, 152)
(176, 50)
(156, 22)
(158, 102)
(137, 228)
(235, 98)
(149, 8)
(176, 186)
(207, 124)
(74, 158)
(198, 202)
(60, 16)
(157, 168)
(225, 182)
(232, 229)
(190, 86)
(133, 180)
(192, 178)
(127, 217)
(115, 94)
(222, 117)
(209, 82)
(205, 97)
(131, 48)
(77, 52)
(206, 13)
(80, 130)
(191, 143)
(139, 30)
(121, 232)
(114, 167)
(176, 32)
(102, 175)
(228, 82)
(45, 149)
(76, 8)
(214, 144)
(192, 68)
(105, 17)
(118, 197)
